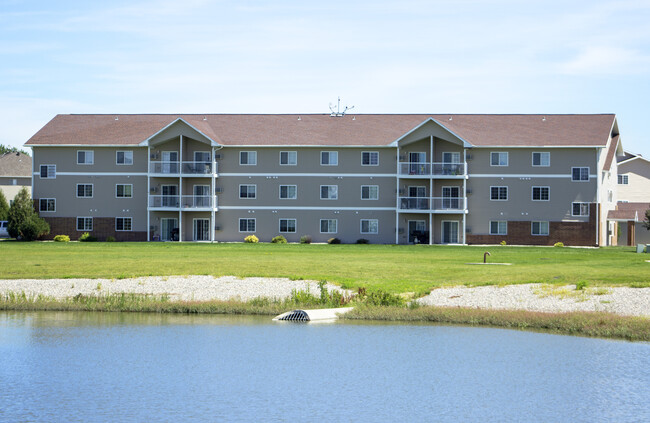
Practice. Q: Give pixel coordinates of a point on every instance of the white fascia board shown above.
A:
(145, 143)
(304, 146)
(466, 144)
(633, 158)
(307, 208)
(537, 146)
(88, 145)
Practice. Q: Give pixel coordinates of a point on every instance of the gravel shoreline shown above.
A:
(531, 297)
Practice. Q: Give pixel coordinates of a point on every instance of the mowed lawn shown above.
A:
(405, 268)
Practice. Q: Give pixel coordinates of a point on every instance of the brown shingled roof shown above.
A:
(613, 146)
(377, 130)
(15, 164)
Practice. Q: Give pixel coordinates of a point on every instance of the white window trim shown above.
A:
(371, 153)
(442, 157)
(500, 152)
(500, 186)
(320, 226)
(417, 187)
(579, 215)
(329, 156)
(46, 199)
(92, 225)
(532, 158)
(247, 231)
(202, 152)
(581, 180)
(123, 230)
(320, 192)
(368, 233)
(92, 189)
(124, 151)
(247, 198)
(442, 231)
(248, 154)
(369, 198)
(532, 192)
(287, 198)
(116, 185)
(295, 225)
(548, 227)
(288, 155)
(85, 155)
(53, 166)
(623, 179)
(498, 221)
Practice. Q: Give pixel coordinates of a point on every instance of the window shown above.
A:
(124, 158)
(85, 157)
(123, 223)
(329, 158)
(370, 158)
(499, 193)
(288, 158)
(579, 209)
(498, 227)
(623, 179)
(287, 225)
(246, 225)
(328, 226)
(48, 171)
(369, 226)
(248, 158)
(288, 192)
(247, 191)
(542, 159)
(84, 190)
(499, 158)
(47, 204)
(329, 192)
(369, 192)
(610, 195)
(579, 173)
(123, 190)
(453, 157)
(84, 223)
(541, 193)
(539, 228)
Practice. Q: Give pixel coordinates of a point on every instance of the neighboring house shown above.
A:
(15, 173)
(438, 179)
(633, 199)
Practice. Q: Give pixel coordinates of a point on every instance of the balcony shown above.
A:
(439, 170)
(184, 202)
(433, 204)
(186, 168)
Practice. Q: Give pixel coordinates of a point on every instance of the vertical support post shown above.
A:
(397, 181)
(148, 193)
(180, 190)
(213, 197)
(430, 228)
(465, 208)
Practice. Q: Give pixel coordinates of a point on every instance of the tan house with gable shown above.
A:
(15, 173)
(633, 199)
(394, 179)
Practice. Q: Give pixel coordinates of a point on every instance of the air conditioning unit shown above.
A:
(468, 191)
(218, 156)
(217, 228)
(468, 230)
(218, 190)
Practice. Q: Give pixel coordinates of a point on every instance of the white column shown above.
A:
(431, 201)
(180, 191)
(148, 191)
(213, 197)
(430, 228)
(397, 180)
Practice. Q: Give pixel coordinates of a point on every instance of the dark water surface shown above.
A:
(61, 367)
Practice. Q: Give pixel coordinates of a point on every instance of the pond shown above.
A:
(65, 366)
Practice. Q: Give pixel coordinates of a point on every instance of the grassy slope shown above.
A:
(392, 268)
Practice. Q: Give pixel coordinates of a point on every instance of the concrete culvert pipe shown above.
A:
(312, 315)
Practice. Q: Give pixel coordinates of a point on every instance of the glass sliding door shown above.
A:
(169, 229)
(201, 229)
(450, 232)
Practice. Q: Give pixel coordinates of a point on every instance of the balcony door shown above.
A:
(201, 196)
(450, 232)
(169, 229)
(418, 233)
(170, 162)
(201, 229)
(450, 198)
(169, 195)
(417, 163)
(418, 198)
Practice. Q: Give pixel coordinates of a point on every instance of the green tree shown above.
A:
(7, 149)
(23, 219)
(4, 206)
(646, 222)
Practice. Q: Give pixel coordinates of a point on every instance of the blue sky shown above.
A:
(404, 56)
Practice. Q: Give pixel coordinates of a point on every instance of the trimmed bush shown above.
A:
(251, 239)
(362, 241)
(110, 239)
(23, 221)
(86, 237)
(61, 238)
(558, 244)
(503, 242)
(279, 240)
(333, 241)
(33, 227)
(305, 239)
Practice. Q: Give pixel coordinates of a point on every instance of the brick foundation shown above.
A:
(103, 227)
(569, 233)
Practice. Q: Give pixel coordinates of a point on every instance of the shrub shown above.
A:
(581, 285)
(333, 241)
(110, 239)
(279, 240)
(86, 237)
(62, 238)
(362, 241)
(305, 239)
(4, 206)
(33, 227)
(558, 244)
(23, 221)
(503, 242)
(251, 239)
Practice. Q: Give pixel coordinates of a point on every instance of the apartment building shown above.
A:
(434, 179)
(633, 199)
(15, 173)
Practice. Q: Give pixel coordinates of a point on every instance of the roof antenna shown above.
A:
(338, 111)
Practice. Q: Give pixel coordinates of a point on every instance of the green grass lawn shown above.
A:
(404, 268)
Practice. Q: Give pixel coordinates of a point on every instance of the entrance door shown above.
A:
(201, 196)
(418, 233)
(170, 162)
(202, 163)
(168, 229)
(450, 163)
(450, 197)
(450, 232)
(169, 195)
(417, 163)
(201, 229)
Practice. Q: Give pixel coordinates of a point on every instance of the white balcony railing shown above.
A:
(165, 167)
(433, 169)
(197, 168)
(185, 201)
(432, 203)
(186, 168)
